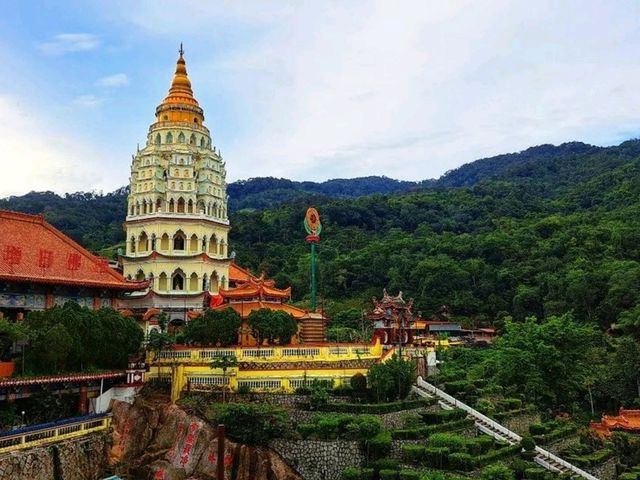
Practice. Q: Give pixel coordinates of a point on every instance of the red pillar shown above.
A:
(83, 401)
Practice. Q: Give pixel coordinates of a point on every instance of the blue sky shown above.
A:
(312, 90)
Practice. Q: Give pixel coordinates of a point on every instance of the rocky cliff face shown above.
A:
(81, 459)
(159, 441)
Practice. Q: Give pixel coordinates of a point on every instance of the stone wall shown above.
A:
(78, 459)
(319, 460)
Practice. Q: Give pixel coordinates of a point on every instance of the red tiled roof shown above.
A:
(32, 250)
(245, 308)
(238, 274)
(627, 420)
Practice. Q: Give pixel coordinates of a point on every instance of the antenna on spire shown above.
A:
(181, 51)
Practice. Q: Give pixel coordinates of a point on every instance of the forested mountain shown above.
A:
(266, 192)
(545, 231)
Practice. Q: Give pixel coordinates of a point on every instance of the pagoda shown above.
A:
(176, 224)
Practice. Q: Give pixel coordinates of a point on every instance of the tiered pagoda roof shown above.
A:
(626, 420)
(34, 251)
(259, 288)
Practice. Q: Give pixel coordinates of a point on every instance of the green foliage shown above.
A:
(413, 453)
(358, 383)
(350, 473)
(378, 446)
(392, 379)
(453, 442)
(406, 474)
(534, 473)
(272, 325)
(328, 426)
(10, 332)
(545, 361)
(251, 423)
(436, 457)
(215, 327)
(427, 430)
(443, 416)
(528, 443)
(388, 474)
(74, 338)
(378, 408)
(497, 471)
(461, 461)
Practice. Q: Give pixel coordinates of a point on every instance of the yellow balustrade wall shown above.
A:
(276, 369)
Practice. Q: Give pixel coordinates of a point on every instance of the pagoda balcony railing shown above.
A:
(269, 354)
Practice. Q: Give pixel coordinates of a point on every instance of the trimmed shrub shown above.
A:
(425, 431)
(413, 453)
(497, 471)
(358, 383)
(385, 464)
(485, 442)
(443, 416)
(388, 474)
(368, 426)
(498, 454)
(408, 475)
(251, 423)
(528, 443)
(534, 473)
(455, 443)
(555, 435)
(436, 457)
(350, 473)
(461, 461)
(458, 386)
(306, 429)
(367, 474)
(377, 408)
(485, 406)
(378, 446)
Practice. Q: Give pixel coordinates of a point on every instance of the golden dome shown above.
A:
(180, 99)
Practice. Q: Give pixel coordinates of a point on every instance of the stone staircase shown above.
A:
(492, 428)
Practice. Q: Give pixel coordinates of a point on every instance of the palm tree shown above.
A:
(224, 362)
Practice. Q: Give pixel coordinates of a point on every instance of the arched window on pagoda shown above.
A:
(133, 244)
(172, 206)
(190, 205)
(193, 243)
(162, 282)
(143, 242)
(181, 138)
(140, 276)
(153, 242)
(181, 205)
(214, 282)
(179, 240)
(169, 138)
(201, 207)
(158, 205)
(177, 280)
(164, 242)
(213, 245)
(158, 140)
(202, 142)
(192, 139)
(193, 282)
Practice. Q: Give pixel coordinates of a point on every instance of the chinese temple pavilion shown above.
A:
(177, 222)
(42, 267)
(251, 293)
(626, 420)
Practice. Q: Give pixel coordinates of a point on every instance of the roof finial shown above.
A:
(181, 51)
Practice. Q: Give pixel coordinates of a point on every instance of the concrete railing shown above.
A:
(544, 458)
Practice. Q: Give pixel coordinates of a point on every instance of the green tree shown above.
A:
(271, 325)
(392, 380)
(215, 327)
(224, 363)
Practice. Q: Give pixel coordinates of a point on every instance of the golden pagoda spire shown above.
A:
(180, 97)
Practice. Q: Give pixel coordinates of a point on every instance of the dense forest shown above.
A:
(542, 232)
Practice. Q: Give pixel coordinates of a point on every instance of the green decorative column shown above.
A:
(313, 227)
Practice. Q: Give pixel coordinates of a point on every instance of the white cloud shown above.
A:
(321, 90)
(88, 101)
(112, 81)
(37, 155)
(69, 42)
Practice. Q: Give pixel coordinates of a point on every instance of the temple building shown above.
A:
(41, 267)
(177, 224)
(251, 293)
